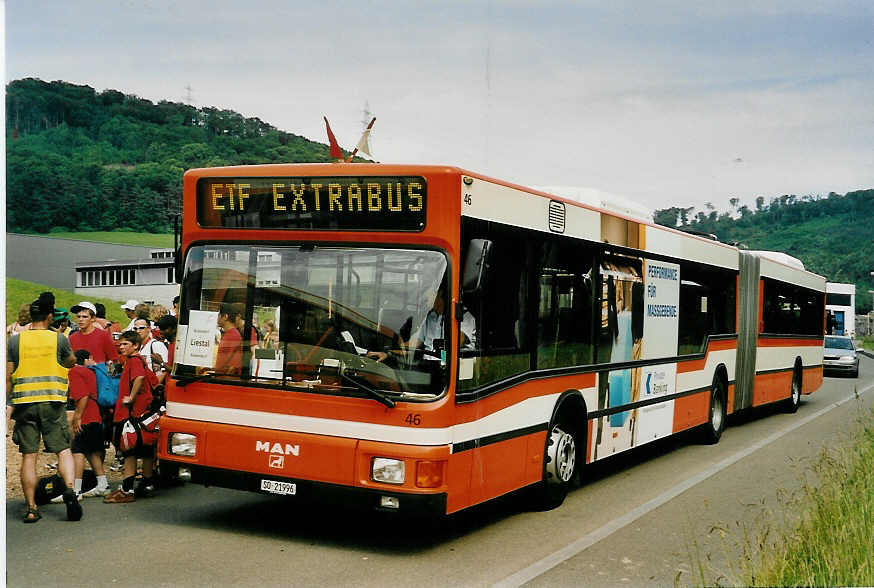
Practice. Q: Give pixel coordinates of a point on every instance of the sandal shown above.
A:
(32, 515)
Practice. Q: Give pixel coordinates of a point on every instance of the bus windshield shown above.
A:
(359, 321)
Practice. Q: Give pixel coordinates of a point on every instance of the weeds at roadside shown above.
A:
(821, 535)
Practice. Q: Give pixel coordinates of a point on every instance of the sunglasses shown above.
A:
(140, 328)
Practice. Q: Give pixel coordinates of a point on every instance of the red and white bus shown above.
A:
(424, 338)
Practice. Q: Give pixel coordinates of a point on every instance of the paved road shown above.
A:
(59, 257)
(637, 521)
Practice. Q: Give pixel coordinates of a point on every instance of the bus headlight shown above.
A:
(183, 444)
(387, 470)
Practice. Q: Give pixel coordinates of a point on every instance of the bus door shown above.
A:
(619, 344)
(639, 311)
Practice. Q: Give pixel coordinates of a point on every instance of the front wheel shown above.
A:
(716, 422)
(560, 465)
(168, 473)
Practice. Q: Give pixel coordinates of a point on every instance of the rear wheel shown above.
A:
(716, 422)
(792, 403)
(561, 460)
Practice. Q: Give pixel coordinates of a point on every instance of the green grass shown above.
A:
(20, 292)
(868, 343)
(162, 240)
(824, 535)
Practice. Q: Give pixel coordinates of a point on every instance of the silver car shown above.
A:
(840, 356)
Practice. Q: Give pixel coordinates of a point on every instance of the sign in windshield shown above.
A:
(327, 203)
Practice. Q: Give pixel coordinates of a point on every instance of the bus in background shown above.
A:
(424, 338)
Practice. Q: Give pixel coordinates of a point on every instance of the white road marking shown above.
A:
(550, 561)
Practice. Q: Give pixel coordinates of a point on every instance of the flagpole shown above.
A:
(354, 151)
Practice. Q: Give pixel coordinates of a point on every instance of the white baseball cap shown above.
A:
(84, 305)
(130, 304)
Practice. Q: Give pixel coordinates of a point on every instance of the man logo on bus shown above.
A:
(267, 447)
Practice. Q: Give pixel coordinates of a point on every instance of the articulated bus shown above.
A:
(422, 339)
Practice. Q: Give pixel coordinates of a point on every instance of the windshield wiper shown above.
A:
(182, 381)
(373, 393)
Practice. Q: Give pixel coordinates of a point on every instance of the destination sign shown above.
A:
(329, 203)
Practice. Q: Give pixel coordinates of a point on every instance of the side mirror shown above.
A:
(178, 263)
(475, 266)
(177, 250)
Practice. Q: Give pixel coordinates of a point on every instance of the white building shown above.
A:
(151, 280)
(840, 303)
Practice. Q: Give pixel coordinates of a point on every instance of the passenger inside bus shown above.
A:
(229, 357)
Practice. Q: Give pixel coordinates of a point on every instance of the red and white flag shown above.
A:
(364, 142)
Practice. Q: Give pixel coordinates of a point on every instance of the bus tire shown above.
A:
(712, 431)
(168, 474)
(561, 459)
(792, 403)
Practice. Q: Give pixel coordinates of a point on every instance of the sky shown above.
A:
(667, 103)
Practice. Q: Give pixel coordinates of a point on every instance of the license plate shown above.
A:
(274, 487)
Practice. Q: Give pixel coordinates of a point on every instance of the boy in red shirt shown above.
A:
(134, 399)
(90, 336)
(87, 425)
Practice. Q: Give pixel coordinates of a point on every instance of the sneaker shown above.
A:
(74, 509)
(60, 499)
(118, 496)
(96, 491)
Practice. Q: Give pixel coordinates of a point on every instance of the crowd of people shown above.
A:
(52, 393)
(54, 371)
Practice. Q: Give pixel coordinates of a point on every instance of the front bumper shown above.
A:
(839, 367)
(309, 491)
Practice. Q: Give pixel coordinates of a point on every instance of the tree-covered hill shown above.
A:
(82, 160)
(85, 160)
(833, 235)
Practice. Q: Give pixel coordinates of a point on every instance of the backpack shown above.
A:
(107, 386)
(137, 433)
(151, 377)
(156, 388)
(49, 487)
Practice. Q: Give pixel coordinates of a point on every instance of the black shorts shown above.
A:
(89, 440)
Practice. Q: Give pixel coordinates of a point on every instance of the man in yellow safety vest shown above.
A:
(36, 384)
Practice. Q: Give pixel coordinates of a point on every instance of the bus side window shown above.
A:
(564, 306)
(498, 313)
(707, 305)
(791, 310)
